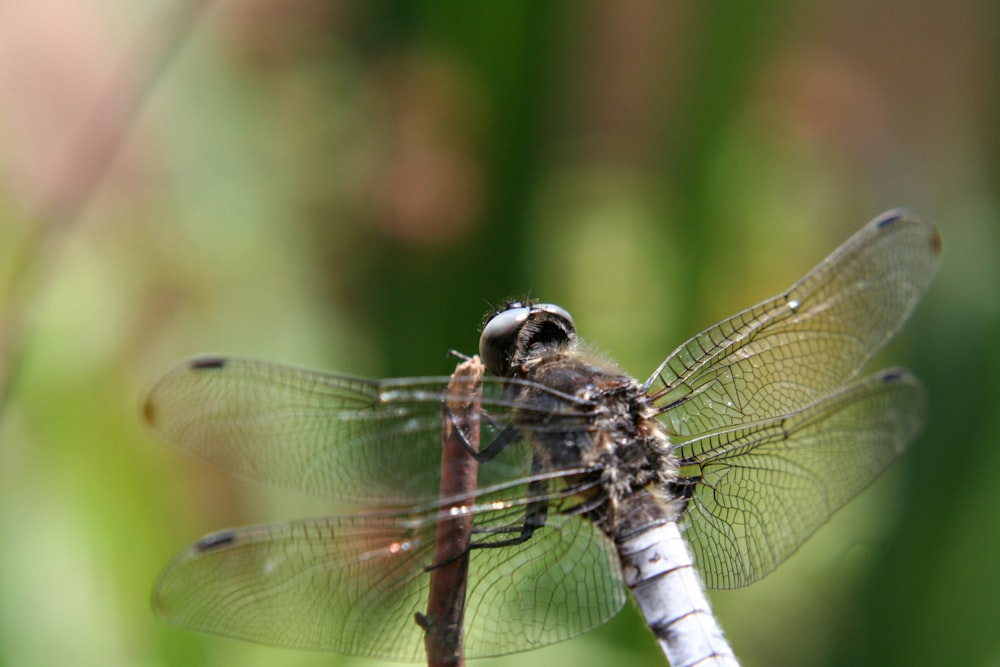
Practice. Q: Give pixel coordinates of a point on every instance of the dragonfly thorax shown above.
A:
(613, 432)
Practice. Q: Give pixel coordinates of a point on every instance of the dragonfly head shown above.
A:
(519, 332)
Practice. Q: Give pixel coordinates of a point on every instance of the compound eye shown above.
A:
(499, 338)
(557, 314)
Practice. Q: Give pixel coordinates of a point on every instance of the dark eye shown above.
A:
(511, 336)
(555, 317)
(499, 338)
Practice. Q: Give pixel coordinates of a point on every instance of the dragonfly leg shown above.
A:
(459, 355)
(535, 516)
(683, 490)
(504, 438)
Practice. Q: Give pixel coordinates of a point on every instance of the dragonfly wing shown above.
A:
(353, 584)
(790, 351)
(356, 439)
(348, 584)
(755, 493)
(562, 582)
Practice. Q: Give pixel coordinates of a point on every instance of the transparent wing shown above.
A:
(755, 493)
(351, 438)
(352, 584)
(788, 352)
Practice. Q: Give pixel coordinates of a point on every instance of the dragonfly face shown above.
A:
(520, 333)
(754, 432)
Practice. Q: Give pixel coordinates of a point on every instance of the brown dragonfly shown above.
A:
(748, 437)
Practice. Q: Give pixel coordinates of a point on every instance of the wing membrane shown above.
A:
(351, 438)
(789, 351)
(352, 584)
(759, 491)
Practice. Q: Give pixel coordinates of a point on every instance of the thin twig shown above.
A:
(443, 634)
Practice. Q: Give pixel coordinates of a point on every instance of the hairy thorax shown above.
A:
(610, 431)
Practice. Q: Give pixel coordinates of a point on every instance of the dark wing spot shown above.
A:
(208, 363)
(893, 375)
(215, 541)
(890, 219)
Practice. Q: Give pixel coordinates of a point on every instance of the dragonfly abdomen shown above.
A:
(657, 566)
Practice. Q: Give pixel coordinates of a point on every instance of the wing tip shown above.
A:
(897, 215)
(893, 216)
(936, 243)
(214, 541)
(894, 375)
(207, 363)
(149, 408)
(149, 411)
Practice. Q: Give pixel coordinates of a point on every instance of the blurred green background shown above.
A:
(350, 184)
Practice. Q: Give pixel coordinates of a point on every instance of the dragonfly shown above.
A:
(739, 445)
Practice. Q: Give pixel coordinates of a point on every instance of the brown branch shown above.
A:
(443, 635)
